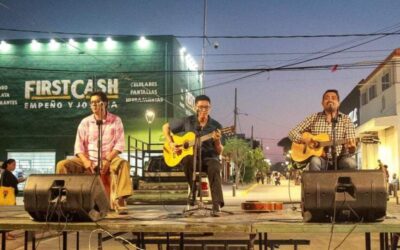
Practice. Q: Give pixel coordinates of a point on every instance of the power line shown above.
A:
(295, 36)
(300, 62)
(356, 65)
(212, 37)
(257, 71)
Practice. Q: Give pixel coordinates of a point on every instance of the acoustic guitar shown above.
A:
(185, 144)
(301, 152)
(261, 206)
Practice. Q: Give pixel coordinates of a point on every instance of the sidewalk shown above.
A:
(263, 192)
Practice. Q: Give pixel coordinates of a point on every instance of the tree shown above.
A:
(255, 161)
(237, 150)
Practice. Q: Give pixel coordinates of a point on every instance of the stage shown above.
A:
(168, 220)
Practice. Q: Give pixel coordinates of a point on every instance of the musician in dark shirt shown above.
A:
(201, 124)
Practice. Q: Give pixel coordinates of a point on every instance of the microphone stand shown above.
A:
(334, 121)
(99, 124)
(197, 162)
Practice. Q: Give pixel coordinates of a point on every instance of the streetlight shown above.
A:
(150, 115)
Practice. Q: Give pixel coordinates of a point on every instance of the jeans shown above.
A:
(213, 168)
(321, 164)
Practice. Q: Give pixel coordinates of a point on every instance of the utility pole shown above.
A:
(234, 130)
(235, 113)
(203, 50)
(251, 138)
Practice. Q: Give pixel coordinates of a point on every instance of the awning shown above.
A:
(377, 124)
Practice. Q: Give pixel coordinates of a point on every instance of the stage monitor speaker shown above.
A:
(64, 198)
(354, 195)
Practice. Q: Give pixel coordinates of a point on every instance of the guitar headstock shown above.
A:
(228, 131)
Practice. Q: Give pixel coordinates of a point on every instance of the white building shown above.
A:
(379, 128)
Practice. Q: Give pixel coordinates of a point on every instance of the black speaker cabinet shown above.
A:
(358, 195)
(64, 198)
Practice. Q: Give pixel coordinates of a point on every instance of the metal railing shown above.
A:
(139, 152)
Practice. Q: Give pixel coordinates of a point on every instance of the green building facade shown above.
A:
(45, 85)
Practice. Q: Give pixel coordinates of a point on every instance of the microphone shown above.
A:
(100, 121)
(331, 107)
(197, 126)
(334, 119)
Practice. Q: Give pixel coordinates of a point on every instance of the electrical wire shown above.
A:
(359, 219)
(111, 235)
(335, 47)
(381, 35)
(395, 33)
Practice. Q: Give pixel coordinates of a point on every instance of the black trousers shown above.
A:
(213, 168)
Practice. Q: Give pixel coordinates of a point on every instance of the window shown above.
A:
(33, 163)
(372, 92)
(364, 99)
(385, 81)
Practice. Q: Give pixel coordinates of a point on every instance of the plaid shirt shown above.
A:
(87, 134)
(317, 124)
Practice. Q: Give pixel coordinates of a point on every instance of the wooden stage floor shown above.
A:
(169, 219)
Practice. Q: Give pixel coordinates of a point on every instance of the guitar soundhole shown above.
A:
(186, 145)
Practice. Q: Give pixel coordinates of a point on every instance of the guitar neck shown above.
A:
(330, 143)
(209, 135)
(202, 139)
(206, 137)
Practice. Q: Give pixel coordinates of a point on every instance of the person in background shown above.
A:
(384, 169)
(386, 172)
(269, 177)
(277, 178)
(380, 164)
(8, 179)
(386, 175)
(258, 176)
(394, 184)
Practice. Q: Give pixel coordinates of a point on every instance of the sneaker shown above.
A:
(216, 210)
(120, 207)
